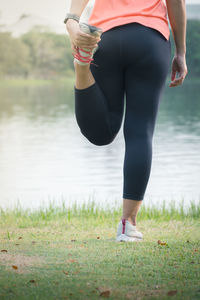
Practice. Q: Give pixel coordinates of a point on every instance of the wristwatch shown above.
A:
(71, 16)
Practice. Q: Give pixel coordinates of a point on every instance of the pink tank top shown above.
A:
(107, 14)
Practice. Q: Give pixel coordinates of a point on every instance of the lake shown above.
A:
(44, 157)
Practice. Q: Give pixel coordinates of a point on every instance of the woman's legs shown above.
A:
(135, 59)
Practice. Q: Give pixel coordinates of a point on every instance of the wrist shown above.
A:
(180, 51)
(70, 23)
(70, 16)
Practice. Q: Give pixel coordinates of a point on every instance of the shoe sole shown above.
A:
(125, 238)
(93, 29)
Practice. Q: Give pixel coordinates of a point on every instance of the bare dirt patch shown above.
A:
(20, 263)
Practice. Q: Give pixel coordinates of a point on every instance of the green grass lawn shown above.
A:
(60, 253)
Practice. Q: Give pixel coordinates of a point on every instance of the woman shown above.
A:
(131, 57)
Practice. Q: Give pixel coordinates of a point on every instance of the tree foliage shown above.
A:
(14, 56)
(42, 54)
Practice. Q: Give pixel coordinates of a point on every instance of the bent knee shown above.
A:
(101, 141)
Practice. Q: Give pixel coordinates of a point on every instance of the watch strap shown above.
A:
(71, 16)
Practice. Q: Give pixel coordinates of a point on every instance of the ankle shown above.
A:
(131, 220)
(81, 68)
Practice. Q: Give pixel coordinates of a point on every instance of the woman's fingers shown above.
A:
(178, 66)
(87, 37)
(173, 74)
(82, 43)
(87, 46)
(177, 81)
(79, 38)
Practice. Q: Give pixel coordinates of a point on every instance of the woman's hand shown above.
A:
(78, 38)
(178, 66)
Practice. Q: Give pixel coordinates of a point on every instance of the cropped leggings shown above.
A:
(130, 69)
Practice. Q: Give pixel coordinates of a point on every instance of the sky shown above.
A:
(53, 10)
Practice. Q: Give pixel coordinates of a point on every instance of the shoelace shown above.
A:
(85, 59)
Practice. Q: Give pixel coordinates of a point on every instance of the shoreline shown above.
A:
(62, 80)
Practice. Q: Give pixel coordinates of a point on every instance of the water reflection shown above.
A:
(43, 155)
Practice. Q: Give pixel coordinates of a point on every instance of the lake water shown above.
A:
(44, 157)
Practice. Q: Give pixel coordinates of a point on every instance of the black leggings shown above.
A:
(132, 60)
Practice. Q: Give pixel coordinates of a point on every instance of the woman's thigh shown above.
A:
(146, 61)
(108, 73)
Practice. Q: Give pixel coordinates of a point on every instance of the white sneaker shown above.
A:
(126, 232)
(84, 56)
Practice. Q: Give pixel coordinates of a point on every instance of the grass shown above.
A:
(94, 213)
(71, 253)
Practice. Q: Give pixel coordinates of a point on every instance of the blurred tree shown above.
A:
(50, 53)
(193, 47)
(14, 56)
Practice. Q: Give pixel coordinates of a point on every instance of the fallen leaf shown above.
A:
(172, 293)
(14, 267)
(66, 273)
(104, 292)
(162, 243)
(72, 260)
(4, 250)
